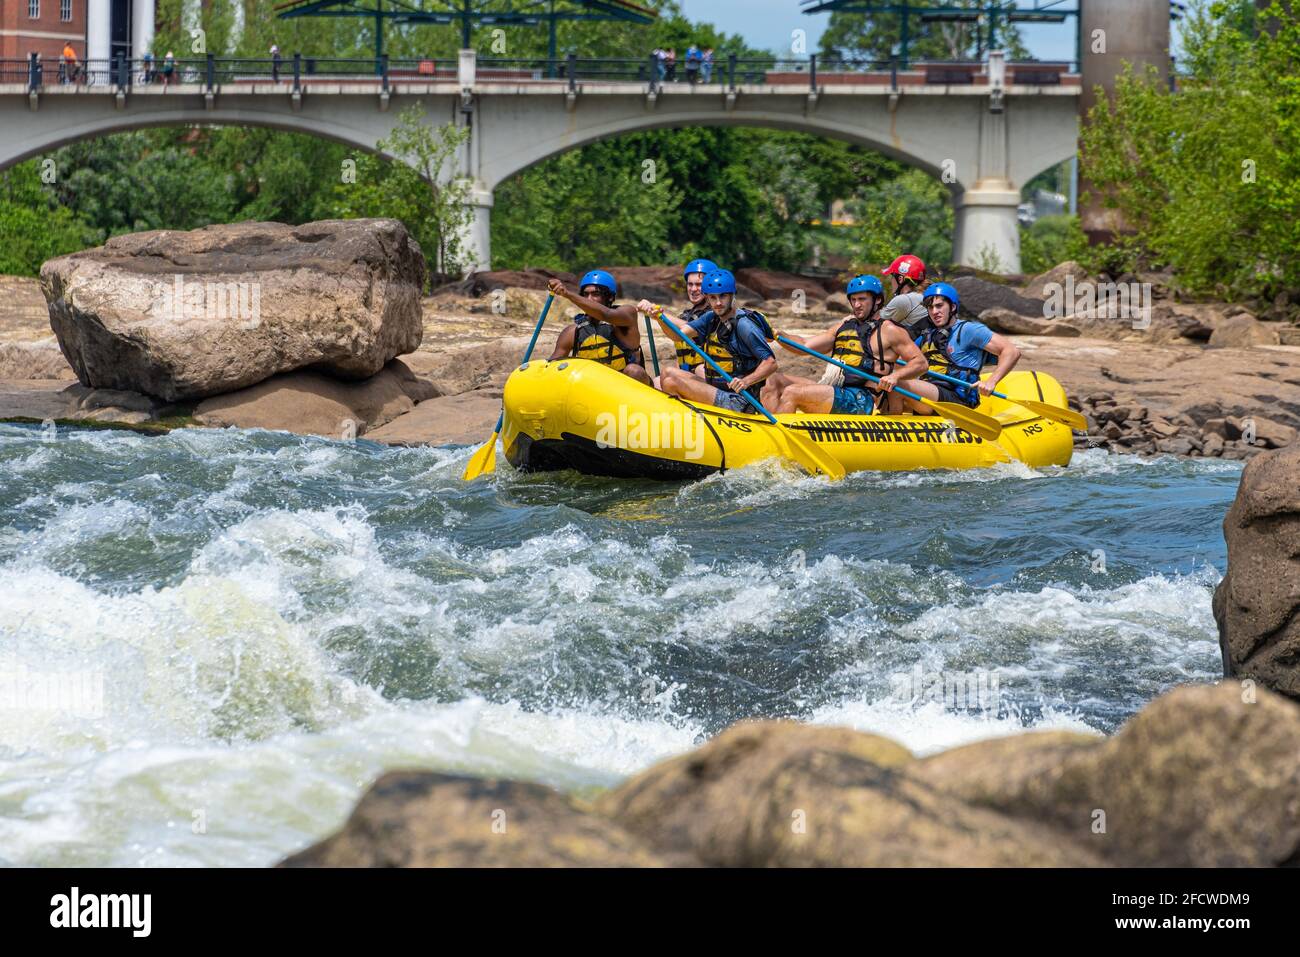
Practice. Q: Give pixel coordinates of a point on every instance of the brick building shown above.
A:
(97, 29)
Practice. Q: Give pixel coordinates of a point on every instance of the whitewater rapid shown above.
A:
(246, 628)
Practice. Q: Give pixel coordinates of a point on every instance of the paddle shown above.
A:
(1054, 412)
(654, 353)
(972, 421)
(485, 459)
(811, 457)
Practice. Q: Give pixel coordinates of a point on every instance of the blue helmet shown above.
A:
(700, 265)
(866, 284)
(944, 290)
(598, 277)
(719, 282)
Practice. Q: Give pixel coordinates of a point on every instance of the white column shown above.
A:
(477, 238)
(987, 233)
(142, 17)
(99, 31)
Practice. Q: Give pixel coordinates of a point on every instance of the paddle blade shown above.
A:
(483, 461)
(977, 423)
(1054, 412)
(810, 456)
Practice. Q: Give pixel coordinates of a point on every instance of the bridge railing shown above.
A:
(298, 70)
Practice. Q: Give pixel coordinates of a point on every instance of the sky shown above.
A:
(768, 24)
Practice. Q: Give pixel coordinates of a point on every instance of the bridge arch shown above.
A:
(980, 152)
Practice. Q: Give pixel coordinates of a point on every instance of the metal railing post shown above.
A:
(731, 72)
(893, 74)
(123, 77)
(572, 67)
(297, 72)
(383, 66)
(212, 72)
(812, 71)
(33, 73)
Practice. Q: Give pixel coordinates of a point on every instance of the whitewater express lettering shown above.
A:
(103, 910)
(869, 431)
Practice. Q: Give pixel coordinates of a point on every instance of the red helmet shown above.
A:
(907, 267)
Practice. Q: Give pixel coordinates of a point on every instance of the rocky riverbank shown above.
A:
(1179, 786)
(1165, 377)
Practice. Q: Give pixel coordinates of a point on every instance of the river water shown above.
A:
(211, 642)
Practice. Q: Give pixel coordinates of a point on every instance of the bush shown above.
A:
(1050, 241)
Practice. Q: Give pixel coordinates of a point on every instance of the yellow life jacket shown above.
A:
(934, 346)
(853, 347)
(717, 345)
(598, 341)
(688, 358)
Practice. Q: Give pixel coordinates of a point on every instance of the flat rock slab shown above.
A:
(308, 403)
(38, 399)
(187, 315)
(465, 419)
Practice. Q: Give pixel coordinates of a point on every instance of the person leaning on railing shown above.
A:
(68, 64)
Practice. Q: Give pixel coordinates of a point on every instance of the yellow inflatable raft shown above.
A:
(579, 414)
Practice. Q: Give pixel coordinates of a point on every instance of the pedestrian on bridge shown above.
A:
(693, 58)
(275, 63)
(706, 65)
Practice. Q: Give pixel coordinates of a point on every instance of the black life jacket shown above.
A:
(934, 346)
(853, 347)
(688, 358)
(717, 344)
(598, 340)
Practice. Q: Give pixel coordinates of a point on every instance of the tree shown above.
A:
(1208, 178)
(420, 188)
(878, 36)
(33, 226)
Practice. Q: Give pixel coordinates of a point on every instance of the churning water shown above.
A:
(211, 642)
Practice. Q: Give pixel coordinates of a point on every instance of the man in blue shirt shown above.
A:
(737, 340)
(959, 348)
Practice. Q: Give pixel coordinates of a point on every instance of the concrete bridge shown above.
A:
(982, 129)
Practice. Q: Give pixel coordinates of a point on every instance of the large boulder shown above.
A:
(1014, 324)
(309, 403)
(978, 295)
(781, 285)
(480, 283)
(1257, 605)
(1243, 331)
(1063, 275)
(416, 819)
(186, 315)
(1201, 777)
(777, 793)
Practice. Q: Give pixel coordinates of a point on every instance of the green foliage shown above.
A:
(912, 213)
(1050, 241)
(419, 189)
(154, 179)
(1208, 179)
(877, 36)
(600, 205)
(33, 226)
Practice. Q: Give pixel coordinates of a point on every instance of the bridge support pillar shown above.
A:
(476, 240)
(987, 231)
